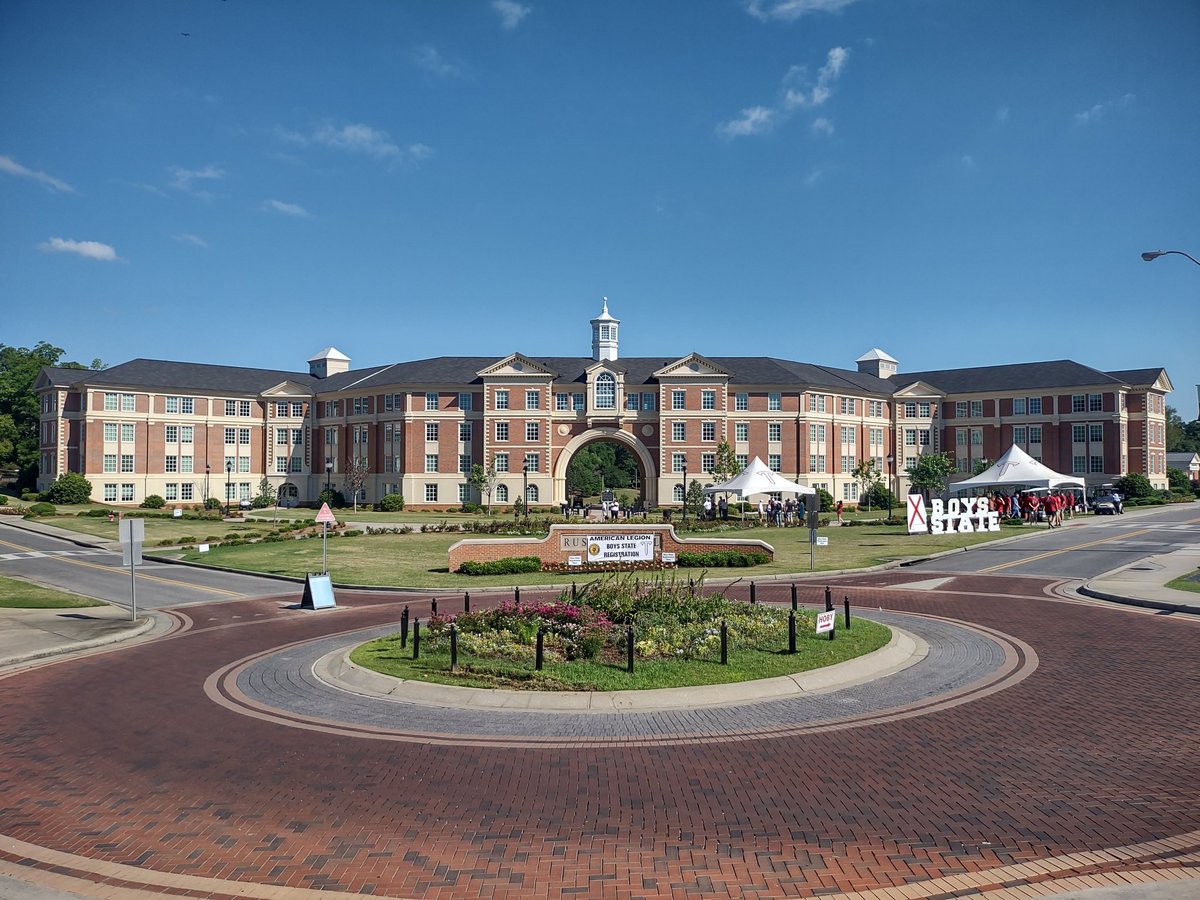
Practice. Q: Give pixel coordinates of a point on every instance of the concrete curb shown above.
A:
(141, 626)
(905, 649)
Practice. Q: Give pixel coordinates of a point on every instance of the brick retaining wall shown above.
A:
(565, 541)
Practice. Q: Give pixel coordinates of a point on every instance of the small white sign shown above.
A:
(132, 531)
(576, 560)
(826, 621)
(325, 516)
(203, 548)
(177, 514)
(668, 557)
(822, 542)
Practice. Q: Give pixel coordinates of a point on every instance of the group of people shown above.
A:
(718, 510)
(1029, 507)
(775, 513)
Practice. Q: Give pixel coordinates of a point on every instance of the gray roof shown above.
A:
(64, 375)
(193, 376)
(1137, 376)
(1059, 373)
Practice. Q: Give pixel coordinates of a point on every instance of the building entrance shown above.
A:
(605, 464)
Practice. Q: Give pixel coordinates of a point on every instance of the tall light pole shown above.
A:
(685, 492)
(525, 491)
(1151, 255)
(328, 477)
(891, 459)
(228, 478)
(207, 470)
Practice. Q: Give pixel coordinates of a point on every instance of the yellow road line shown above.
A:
(118, 570)
(1048, 553)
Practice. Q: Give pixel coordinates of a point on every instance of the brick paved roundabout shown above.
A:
(1048, 745)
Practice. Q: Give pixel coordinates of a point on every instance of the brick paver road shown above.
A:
(123, 758)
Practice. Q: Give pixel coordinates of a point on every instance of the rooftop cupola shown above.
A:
(329, 361)
(604, 335)
(876, 362)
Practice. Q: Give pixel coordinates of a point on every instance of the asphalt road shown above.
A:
(98, 573)
(1082, 551)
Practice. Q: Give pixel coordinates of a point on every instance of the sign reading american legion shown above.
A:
(620, 547)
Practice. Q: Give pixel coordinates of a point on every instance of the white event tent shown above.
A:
(1016, 468)
(757, 478)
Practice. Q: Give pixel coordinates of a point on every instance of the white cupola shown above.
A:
(604, 335)
(876, 362)
(329, 361)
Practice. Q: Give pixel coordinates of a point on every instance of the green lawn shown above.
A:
(420, 560)
(1186, 583)
(18, 594)
(159, 529)
(386, 656)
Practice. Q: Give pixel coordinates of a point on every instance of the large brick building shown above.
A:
(186, 430)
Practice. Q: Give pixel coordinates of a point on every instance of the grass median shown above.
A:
(18, 594)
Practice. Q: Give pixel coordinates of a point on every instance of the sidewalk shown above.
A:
(29, 634)
(1143, 583)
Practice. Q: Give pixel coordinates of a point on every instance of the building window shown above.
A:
(533, 431)
(531, 494)
(632, 402)
(816, 462)
(281, 465)
(110, 403)
(431, 462)
(774, 461)
(677, 493)
(1020, 435)
(464, 432)
(562, 402)
(465, 402)
(243, 435)
(679, 431)
(606, 391)
(298, 464)
(110, 463)
(960, 409)
(231, 435)
(243, 464)
(186, 434)
(816, 403)
(910, 410)
(976, 408)
(431, 431)
(1096, 463)
(678, 461)
(741, 402)
(464, 463)
(297, 436)
(1095, 403)
(231, 407)
(282, 436)
(741, 431)
(1035, 406)
(708, 431)
(848, 463)
(360, 406)
(1035, 434)
(501, 399)
(110, 432)
(976, 438)
(816, 434)
(678, 399)
(910, 437)
(500, 461)
(774, 432)
(243, 407)
(1096, 433)
(126, 462)
(1078, 464)
(877, 438)
(774, 401)
(431, 493)
(110, 493)
(502, 493)
(533, 399)
(127, 492)
(502, 431)
(648, 402)
(532, 461)
(185, 491)
(172, 491)
(1078, 403)
(847, 434)
(1018, 406)
(127, 404)
(708, 399)
(578, 403)
(431, 400)
(464, 493)
(127, 433)
(1078, 433)
(923, 409)
(170, 463)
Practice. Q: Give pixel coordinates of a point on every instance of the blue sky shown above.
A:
(956, 182)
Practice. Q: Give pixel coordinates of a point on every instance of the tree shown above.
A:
(695, 498)
(1178, 480)
(266, 494)
(930, 473)
(980, 466)
(70, 487)
(602, 464)
(356, 477)
(727, 466)
(1133, 486)
(484, 481)
(868, 476)
(1182, 437)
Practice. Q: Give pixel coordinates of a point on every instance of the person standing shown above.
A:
(839, 512)
(723, 508)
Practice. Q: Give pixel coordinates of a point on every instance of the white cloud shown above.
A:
(511, 13)
(185, 238)
(1002, 115)
(183, 179)
(790, 10)
(12, 167)
(358, 138)
(1100, 110)
(429, 59)
(821, 125)
(88, 249)
(288, 209)
(752, 120)
(815, 174)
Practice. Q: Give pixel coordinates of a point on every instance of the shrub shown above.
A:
(827, 502)
(154, 501)
(3, 500)
(1133, 486)
(41, 509)
(30, 496)
(391, 503)
(718, 559)
(471, 508)
(513, 565)
(212, 503)
(336, 499)
(70, 487)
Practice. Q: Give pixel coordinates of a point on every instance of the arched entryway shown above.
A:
(649, 473)
(288, 494)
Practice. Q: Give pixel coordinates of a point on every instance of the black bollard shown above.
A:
(467, 601)
(828, 599)
(517, 595)
(416, 638)
(404, 628)
(793, 595)
(846, 605)
(453, 647)
(433, 606)
(753, 598)
(724, 643)
(833, 630)
(629, 648)
(574, 590)
(792, 631)
(541, 637)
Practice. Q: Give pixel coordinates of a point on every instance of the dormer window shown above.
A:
(606, 391)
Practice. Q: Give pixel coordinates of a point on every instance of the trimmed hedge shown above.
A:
(513, 565)
(721, 559)
(41, 509)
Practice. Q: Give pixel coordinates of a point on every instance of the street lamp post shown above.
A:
(228, 479)
(525, 491)
(685, 493)
(1151, 255)
(891, 459)
(207, 471)
(328, 476)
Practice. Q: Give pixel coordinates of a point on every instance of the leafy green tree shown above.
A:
(1133, 486)
(602, 465)
(484, 481)
(727, 466)
(266, 494)
(1178, 480)
(868, 476)
(70, 487)
(980, 466)
(1182, 437)
(931, 473)
(878, 497)
(695, 498)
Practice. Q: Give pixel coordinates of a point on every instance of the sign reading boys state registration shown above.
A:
(620, 547)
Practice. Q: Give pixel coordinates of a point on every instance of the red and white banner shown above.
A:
(918, 522)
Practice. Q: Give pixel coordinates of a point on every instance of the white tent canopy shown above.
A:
(757, 478)
(1016, 468)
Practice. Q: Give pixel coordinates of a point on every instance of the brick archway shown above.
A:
(616, 436)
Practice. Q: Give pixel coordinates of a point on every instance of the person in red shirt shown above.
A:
(1051, 507)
